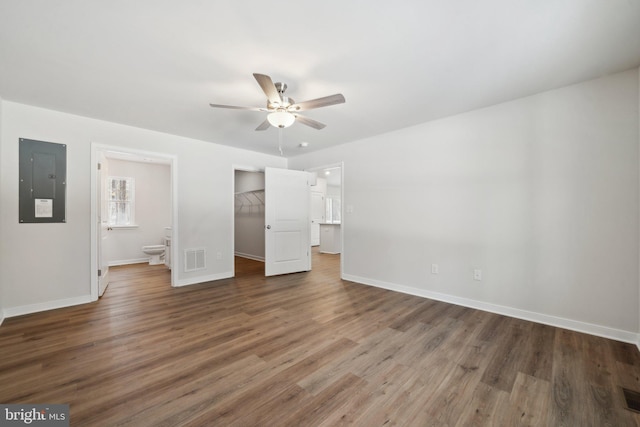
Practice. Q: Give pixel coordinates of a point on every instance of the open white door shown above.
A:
(287, 233)
(103, 265)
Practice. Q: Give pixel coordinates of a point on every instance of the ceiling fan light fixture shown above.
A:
(281, 119)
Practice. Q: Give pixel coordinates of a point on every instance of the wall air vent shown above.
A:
(631, 400)
(194, 259)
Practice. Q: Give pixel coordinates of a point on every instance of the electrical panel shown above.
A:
(43, 181)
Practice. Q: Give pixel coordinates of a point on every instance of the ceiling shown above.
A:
(158, 64)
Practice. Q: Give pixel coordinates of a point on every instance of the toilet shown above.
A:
(155, 253)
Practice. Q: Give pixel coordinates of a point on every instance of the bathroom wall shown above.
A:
(152, 191)
(249, 215)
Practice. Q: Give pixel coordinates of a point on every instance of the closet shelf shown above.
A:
(250, 200)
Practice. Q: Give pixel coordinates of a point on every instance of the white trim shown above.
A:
(638, 340)
(44, 306)
(93, 277)
(574, 325)
(128, 261)
(203, 279)
(173, 247)
(245, 168)
(1, 317)
(249, 256)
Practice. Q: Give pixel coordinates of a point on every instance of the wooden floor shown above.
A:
(305, 350)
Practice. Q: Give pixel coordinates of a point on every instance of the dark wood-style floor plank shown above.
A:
(305, 349)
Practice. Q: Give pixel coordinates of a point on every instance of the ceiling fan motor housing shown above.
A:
(285, 100)
(280, 87)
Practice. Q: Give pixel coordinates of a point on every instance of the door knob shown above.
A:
(268, 227)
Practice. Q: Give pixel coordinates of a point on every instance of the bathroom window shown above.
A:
(120, 194)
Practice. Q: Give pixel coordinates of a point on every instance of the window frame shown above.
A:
(130, 184)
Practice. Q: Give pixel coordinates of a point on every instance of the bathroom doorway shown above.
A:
(149, 216)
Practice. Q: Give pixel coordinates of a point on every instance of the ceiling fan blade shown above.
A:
(233, 107)
(264, 125)
(268, 88)
(338, 98)
(309, 122)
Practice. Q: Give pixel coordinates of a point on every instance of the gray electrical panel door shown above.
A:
(43, 170)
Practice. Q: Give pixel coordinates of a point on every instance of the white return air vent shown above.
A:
(194, 259)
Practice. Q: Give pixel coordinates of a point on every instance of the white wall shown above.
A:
(248, 181)
(333, 191)
(48, 265)
(249, 216)
(152, 191)
(541, 193)
(2, 203)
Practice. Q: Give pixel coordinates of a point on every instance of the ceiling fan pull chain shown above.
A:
(280, 141)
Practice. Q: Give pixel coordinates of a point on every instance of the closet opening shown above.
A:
(249, 221)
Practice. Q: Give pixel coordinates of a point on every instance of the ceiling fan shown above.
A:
(283, 111)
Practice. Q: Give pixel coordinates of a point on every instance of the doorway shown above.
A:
(274, 206)
(101, 155)
(329, 192)
(249, 215)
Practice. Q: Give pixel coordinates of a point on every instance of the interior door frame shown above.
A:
(342, 209)
(246, 168)
(101, 230)
(172, 161)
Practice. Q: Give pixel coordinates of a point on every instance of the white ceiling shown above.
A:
(158, 64)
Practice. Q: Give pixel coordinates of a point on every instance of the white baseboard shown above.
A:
(44, 306)
(1, 316)
(128, 261)
(249, 256)
(574, 325)
(202, 279)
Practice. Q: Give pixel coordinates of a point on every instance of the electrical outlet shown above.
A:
(434, 269)
(477, 274)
